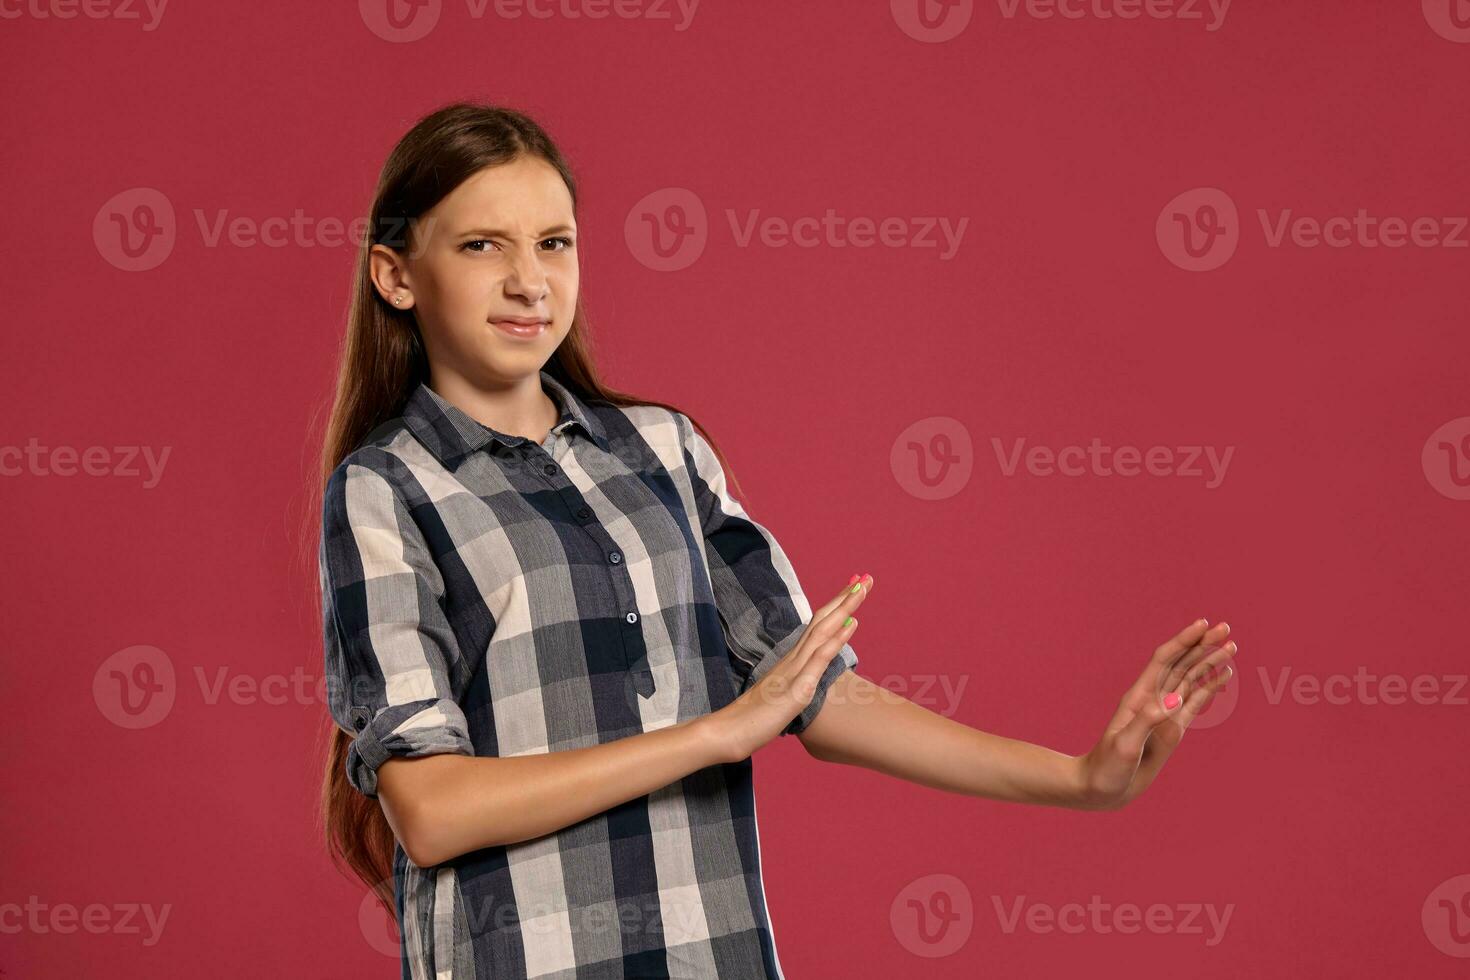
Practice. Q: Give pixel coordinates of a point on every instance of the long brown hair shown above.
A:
(382, 360)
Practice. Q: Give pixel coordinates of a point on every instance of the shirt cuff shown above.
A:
(409, 730)
(846, 659)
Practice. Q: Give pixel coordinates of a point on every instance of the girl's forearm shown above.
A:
(442, 806)
(862, 724)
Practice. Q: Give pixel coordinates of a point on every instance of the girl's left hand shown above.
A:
(1180, 679)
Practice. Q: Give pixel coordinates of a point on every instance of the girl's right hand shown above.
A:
(764, 711)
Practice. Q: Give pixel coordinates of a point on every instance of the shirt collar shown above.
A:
(451, 434)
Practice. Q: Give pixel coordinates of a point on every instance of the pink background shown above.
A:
(1334, 544)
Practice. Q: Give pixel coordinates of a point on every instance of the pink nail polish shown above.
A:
(1171, 700)
(852, 580)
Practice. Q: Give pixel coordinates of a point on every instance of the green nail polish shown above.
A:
(848, 621)
(856, 588)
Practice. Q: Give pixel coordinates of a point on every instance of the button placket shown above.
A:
(537, 459)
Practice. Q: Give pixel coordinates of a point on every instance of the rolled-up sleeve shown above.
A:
(393, 666)
(761, 603)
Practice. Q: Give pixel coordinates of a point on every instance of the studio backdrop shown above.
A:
(1068, 320)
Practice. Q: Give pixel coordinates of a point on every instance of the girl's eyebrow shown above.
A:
(495, 233)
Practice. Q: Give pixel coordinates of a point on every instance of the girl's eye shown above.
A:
(469, 246)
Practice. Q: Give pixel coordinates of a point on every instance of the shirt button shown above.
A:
(549, 468)
(583, 513)
(632, 617)
(615, 557)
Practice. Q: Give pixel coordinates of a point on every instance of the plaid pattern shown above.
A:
(486, 595)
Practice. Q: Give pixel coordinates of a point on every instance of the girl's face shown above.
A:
(501, 245)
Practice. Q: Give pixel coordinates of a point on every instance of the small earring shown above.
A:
(397, 300)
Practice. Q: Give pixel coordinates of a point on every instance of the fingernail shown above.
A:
(867, 578)
(852, 580)
(848, 621)
(858, 587)
(1171, 700)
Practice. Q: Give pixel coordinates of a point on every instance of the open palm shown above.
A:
(1177, 684)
